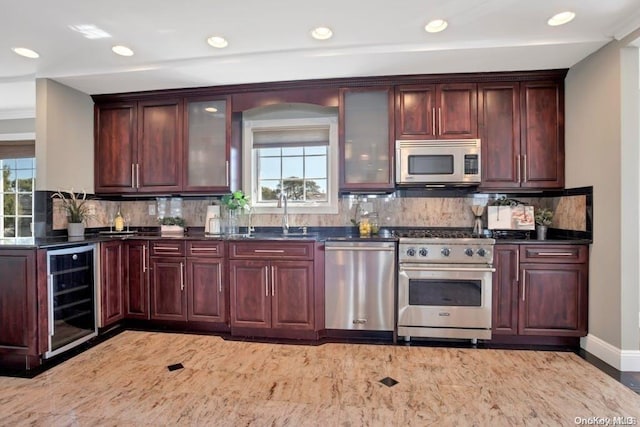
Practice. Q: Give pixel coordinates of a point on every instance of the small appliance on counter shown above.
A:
(212, 220)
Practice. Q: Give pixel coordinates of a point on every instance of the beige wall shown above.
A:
(64, 137)
(594, 156)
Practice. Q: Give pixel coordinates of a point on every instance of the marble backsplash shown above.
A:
(570, 212)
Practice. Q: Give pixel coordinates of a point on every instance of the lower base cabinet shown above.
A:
(186, 281)
(273, 293)
(136, 272)
(540, 290)
(112, 283)
(23, 327)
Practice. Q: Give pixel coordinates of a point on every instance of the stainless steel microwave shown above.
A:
(438, 162)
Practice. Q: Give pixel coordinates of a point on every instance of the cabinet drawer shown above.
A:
(167, 248)
(267, 249)
(214, 249)
(554, 253)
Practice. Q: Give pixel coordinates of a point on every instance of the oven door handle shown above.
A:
(456, 269)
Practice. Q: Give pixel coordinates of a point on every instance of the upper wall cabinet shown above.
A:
(137, 145)
(366, 139)
(436, 111)
(522, 134)
(207, 150)
(163, 146)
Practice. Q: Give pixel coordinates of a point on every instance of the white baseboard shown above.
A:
(622, 360)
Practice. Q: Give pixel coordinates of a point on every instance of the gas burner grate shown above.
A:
(433, 233)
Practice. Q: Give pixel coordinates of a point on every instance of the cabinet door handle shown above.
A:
(524, 285)
(166, 248)
(273, 281)
(50, 308)
(266, 280)
(554, 254)
(226, 173)
(137, 175)
(144, 258)
(219, 279)
(269, 251)
(524, 168)
(519, 171)
(517, 266)
(433, 121)
(181, 276)
(439, 121)
(133, 175)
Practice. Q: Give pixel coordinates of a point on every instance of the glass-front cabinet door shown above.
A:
(206, 154)
(366, 144)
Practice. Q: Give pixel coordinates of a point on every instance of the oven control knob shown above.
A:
(445, 251)
(468, 252)
(423, 252)
(411, 252)
(482, 252)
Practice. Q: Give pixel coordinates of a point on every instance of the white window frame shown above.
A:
(250, 161)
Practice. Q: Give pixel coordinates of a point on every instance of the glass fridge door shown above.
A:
(72, 299)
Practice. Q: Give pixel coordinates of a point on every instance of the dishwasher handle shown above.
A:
(355, 246)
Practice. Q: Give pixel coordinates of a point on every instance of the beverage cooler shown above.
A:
(71, 291)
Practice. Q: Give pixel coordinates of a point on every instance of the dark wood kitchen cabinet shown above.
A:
(167, 280)
(206, 284)
(207, 148)
(136, 272)
(367, 141)
(541, 290)
(23, 307)
(522, 134)
(112, 282)
(271, 287)
(436, 111)
(138, 147)
(187, 281)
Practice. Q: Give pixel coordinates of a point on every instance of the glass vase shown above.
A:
(231, 221)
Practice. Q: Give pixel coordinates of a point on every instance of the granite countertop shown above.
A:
(314, 234)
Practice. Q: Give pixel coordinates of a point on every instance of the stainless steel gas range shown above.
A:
(444, 284)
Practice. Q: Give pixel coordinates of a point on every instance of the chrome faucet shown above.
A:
(282, 200)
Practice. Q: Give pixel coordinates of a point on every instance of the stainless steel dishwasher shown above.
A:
(360, 285)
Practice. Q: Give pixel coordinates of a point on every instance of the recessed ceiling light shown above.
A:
(561, 18)
(321, 33)
(436, 26)
(211, 110)
(218, 42)
(122, 50)
(28, 53)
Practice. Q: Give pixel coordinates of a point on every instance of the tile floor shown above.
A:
(125, 381)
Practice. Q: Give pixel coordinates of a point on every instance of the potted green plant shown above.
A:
(233, 204)
(76, 210)
(543, 218)
(172, 225)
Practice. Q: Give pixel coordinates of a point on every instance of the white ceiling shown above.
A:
(270, 41)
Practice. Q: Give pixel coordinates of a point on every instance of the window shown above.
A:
(294, 156)
(18, 176)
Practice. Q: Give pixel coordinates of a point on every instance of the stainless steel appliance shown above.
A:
(72, 297)
(438, 163)
(444, 284)
(359, 285)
